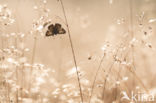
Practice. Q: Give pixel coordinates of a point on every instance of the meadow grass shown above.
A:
(23, 80)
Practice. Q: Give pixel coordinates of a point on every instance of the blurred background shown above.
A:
(93, 24)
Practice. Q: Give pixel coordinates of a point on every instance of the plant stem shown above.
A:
(109, 71)
(105, 81)
(32, 61)
(17, 84)
(132, 35)
(93, 85)
(72, 48)
(131, 17)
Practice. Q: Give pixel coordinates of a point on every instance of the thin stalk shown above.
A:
(109, 71)
(105, 81)
(17, 84)
(32, 58)
(137, 77)
(16, 46)
(93, 85)
(8, 92)
(22, 80)
(131, 27)
(132, 34)
(118, 77)
(72, 48)
(32, 61)
(131, 17)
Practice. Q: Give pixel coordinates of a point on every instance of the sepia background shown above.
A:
(123, 30)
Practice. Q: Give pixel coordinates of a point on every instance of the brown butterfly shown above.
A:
(55, 29)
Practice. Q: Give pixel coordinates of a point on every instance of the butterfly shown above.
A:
(55, 29)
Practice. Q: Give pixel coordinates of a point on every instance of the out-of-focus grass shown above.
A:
(110, 59)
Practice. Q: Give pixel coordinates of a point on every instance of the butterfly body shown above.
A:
(55, 30)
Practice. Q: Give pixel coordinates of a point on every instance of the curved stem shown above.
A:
(109, 71)
(72, 48)
(93, 85)
(105, 81)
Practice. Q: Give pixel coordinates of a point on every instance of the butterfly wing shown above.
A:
(51, 27)
(59, 29)
(50, 31)
(57, 25)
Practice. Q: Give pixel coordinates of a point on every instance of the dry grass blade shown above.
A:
(72, 48)
(96, 74)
